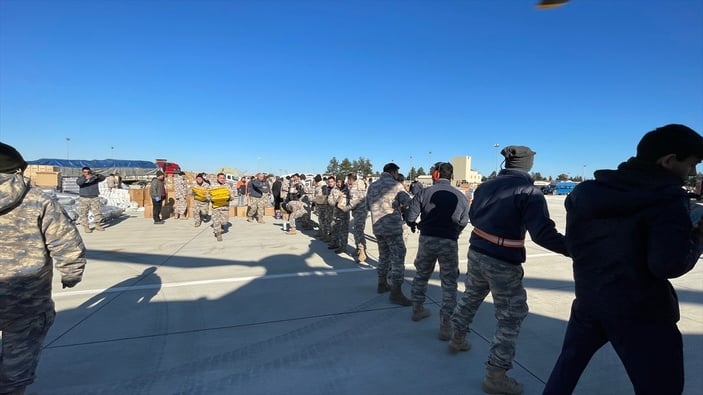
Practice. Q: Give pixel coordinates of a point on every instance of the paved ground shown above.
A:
(168, 310)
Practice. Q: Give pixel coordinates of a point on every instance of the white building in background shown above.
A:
(463, 172)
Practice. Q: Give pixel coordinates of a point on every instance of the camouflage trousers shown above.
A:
(180, 206)
(340, 228)
(446, 252)
(391, 256)
(200, 210)
(504, 281)
(298, 209)
(324, 216)
(256, 208)
(359, 215)
(22, 341)
(220, 218)
(87, 204)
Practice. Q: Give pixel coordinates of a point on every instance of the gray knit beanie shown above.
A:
(518, 157)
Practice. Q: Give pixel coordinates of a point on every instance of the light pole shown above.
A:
(68, 140)
(112, 152)
(583, 173)
(496, 146)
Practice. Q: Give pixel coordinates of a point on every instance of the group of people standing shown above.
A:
(628, 231)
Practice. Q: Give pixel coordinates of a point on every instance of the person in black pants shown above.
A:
(276, 192)
(157, 191)
(628, 231)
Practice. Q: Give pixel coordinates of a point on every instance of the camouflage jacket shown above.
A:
(35, 232)
(386, 199)
(357, 196)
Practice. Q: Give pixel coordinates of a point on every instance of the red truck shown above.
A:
(168, 167)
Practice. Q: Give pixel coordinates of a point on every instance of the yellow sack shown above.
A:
(219, 196)
(200, 193)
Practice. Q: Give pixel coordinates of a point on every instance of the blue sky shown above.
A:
(283, 86)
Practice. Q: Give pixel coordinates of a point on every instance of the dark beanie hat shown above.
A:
(389, 167)
(518, 157)
(10, 159)
(670, 139)
(159, 173)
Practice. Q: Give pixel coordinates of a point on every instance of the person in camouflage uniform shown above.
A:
(220, 196)
(89, 196)
(338, 199)
(357, 206)
(36, 232)
(443, 213)
(504, 208)
(325, 210)
(258, 190)
(384, 199)
(201, 195)
(296, 204)
(180, 190)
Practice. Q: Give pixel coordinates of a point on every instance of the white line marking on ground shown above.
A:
(317, 273)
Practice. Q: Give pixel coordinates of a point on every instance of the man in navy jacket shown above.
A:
(628, 232)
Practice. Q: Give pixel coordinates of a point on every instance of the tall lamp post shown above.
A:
(583, 173)
(496, 146)
(68, 140)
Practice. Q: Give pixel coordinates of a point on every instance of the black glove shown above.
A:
(413, 226)
(70, 282)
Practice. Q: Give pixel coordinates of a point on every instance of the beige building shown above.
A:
(463, 172)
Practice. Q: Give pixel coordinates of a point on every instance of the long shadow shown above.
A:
(292, 330)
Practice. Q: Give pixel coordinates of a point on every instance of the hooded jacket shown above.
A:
(35, 232)
(629, 231)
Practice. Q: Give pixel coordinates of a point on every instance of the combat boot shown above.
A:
(250, 219)
(397, 297)
(261, 221)
(87, 228)
(218, 236)
(419, 312)
(340, 250)
(291, 231)
(382, 284)
(99, 227)
(445, 327)
(362, 254)
(497, 382)
(458, 342)
(197, 224)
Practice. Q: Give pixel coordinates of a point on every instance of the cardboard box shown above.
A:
(269, 211)
(140, 196)
(241, 211)
(46, 179)
(232, 211)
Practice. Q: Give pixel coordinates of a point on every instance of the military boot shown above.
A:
(445, 327)
(218, 236)
(497, 382)
(87, 228)
(382, 284)
(419, 312)
(397, 297)
(362, 254)
(99, 227)
(291, 231)
(458, 342)
(340, 250)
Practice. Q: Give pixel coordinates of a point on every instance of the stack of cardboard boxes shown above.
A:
(43, 176)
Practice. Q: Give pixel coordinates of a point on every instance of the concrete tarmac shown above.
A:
(166, 309)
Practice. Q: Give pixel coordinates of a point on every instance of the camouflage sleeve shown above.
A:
(63, 242)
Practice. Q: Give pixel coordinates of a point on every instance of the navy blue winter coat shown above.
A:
(628, 231)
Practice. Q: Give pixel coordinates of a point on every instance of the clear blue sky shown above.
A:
(283, 86)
